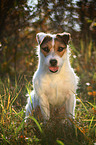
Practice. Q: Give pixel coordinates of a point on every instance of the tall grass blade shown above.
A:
(94, 127)
(92, 105)
(22, 123)
(38, 125)
(15, 97)
(8, 102)
(20, 126)
(82, 104)
(90, 124)
(30, 96)
(5, 138)
(17, 114)
(90, 49)
(59, 142)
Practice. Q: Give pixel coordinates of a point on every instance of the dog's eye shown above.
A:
(60, 49)
(46, 49)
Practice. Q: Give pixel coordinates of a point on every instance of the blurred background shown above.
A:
(20, 20)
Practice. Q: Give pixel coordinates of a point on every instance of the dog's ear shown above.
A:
(40, 37)
(65, 37)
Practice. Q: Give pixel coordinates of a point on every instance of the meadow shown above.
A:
(13, 126)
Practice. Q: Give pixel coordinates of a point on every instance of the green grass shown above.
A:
(13, 126)
(15, 130)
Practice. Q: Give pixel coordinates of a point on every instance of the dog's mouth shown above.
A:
(53, 69)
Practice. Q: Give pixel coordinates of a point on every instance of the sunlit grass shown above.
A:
(15, 129)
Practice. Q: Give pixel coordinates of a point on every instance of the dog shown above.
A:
(54, 82)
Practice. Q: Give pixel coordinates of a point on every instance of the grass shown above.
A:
(13, 126)
(15, 130)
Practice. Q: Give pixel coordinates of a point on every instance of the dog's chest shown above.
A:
(54, 88)
(55, 91)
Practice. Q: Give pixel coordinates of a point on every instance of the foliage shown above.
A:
(83, 61)
(16, 41)
(21, 21)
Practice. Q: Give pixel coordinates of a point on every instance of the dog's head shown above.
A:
(53, 49)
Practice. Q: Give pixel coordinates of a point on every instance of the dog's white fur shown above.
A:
(57, 89)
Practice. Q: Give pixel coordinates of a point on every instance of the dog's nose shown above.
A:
(53, 62)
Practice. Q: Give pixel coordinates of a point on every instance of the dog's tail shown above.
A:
(32, 103)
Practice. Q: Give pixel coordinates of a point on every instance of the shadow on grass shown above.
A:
(54, 132)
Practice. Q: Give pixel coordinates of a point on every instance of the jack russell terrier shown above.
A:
(54, 82)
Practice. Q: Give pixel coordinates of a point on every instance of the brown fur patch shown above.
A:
(59, 45)
(46, 46)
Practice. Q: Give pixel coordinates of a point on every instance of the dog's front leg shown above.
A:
(44, 106)
(70, 105)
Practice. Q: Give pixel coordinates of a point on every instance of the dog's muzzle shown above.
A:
(53, 66)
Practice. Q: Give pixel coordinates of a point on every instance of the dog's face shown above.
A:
(53, 49)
